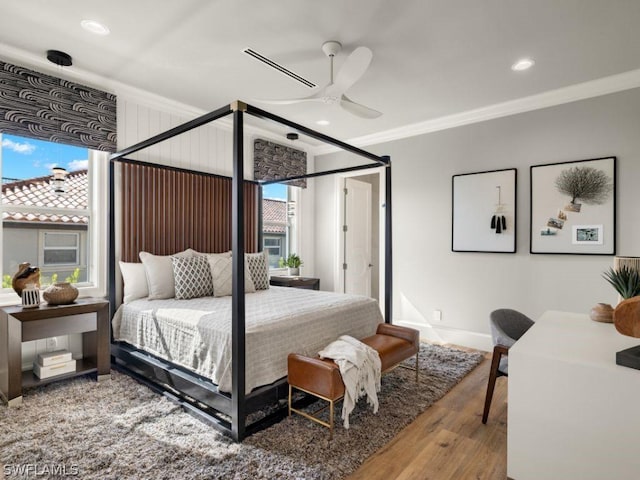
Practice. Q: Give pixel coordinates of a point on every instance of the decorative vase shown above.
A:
(60, 293)
(30, 296)
(293, 271)
(602, 312)
(626, 317)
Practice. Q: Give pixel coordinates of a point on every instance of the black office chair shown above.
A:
(507, 326)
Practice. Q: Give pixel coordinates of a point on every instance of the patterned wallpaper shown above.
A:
(271, 161)
(40, 106)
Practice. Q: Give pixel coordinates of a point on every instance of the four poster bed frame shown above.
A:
(199, 395)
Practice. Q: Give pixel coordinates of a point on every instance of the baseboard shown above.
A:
(442, 334)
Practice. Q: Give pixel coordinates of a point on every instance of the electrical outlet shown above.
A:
(52, 344)
(437, 315)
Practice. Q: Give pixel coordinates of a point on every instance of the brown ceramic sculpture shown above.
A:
(25, 275)
(602, 312)
(626, 317)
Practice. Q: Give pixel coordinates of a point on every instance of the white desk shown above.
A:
(573, 413)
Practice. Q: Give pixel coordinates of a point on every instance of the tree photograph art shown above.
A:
(573, 207)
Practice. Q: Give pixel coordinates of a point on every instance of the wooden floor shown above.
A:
(449, 441)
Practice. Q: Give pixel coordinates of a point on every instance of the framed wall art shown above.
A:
(573, 207)
(484, 211)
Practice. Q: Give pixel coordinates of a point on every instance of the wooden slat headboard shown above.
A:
(167, 210)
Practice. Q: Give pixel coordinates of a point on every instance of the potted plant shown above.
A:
(625, 280)
(292, 263)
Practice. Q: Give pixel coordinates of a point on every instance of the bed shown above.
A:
(225, 381)
(196, 333)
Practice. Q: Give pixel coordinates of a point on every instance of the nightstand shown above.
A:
(296, 282)
(19, 325)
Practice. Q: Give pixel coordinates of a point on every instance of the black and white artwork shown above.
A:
(573, 207)
(484, 211)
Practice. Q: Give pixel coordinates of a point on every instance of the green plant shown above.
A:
(625, 280)
(74, 277)
(292, 261)
(7, 281)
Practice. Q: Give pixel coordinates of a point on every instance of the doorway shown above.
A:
(359, 211)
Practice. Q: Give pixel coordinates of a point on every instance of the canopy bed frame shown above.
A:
(228, 412)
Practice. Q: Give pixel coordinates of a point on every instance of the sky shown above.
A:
(275, 191)
(27, 158)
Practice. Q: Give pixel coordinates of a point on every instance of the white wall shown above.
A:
(466, 287)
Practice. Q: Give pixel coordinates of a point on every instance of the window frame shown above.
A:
(42, 248)
(97, 229)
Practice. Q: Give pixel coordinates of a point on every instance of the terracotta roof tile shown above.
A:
(37, 192)
(274, 216)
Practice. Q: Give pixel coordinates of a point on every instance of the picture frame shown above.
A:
(573, 207)
(484, 206)
(587, 234)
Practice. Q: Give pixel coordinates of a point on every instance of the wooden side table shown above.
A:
(19, 325)
(296, 282)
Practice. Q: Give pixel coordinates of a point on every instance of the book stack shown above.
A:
(55, 363)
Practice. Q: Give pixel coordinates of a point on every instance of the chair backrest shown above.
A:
(508, 325)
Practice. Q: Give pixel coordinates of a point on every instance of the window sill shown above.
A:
(9, 297)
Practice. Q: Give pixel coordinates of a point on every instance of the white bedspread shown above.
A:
(196, 333)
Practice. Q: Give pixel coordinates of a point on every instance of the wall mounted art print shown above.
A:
(573, 207)
(484, 211)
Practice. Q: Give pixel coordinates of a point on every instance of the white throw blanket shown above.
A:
(360, 369)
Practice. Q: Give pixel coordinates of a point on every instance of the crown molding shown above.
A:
(573, 93)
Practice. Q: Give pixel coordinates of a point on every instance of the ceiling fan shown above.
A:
(333, 93)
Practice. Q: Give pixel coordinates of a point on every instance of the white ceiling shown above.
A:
(431, 58)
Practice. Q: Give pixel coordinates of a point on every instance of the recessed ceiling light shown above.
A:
(94, 26)
(523, 64)
(323, 122)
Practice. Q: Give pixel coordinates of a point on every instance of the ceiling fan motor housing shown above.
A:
(331, 48)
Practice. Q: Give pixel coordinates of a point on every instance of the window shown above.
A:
(279, 222)
(55, 223)
(273, 246)
(60, 248)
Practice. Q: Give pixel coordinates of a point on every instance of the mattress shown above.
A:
(196, 333)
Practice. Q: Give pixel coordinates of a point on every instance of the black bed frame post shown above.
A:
(388, 263)
(111, 274)
(238, 301)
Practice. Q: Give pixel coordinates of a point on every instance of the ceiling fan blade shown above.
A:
(316, 97)
(358, 109)
(353, 68)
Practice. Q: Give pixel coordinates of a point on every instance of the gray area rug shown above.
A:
(120, 429)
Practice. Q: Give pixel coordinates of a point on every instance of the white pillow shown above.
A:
(159, 271)
(222, 273)
(135, 281)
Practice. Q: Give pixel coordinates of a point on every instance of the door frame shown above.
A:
(338, 278)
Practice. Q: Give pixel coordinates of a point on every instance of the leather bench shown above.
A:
(321, 377)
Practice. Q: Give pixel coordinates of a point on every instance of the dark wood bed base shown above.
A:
(198, 395)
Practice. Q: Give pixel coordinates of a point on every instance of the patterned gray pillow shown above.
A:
(192, 277)
(259, 267)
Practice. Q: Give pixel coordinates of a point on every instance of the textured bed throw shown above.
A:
(360, 369)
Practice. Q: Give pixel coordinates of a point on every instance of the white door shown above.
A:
(357, 237)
